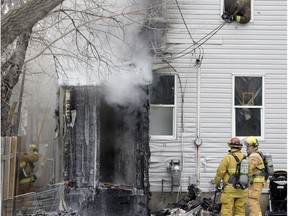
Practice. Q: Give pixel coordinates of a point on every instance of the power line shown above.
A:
(200, 57)
(199, 43)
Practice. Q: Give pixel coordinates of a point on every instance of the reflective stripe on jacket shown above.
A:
(256, 167)
(23, 164)
(26, 165)
(27, 180)
(227, 168)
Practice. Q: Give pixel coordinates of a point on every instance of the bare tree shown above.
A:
(18, 20)
(10, 72)
(94, 35)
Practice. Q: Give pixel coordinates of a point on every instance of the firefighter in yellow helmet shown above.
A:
(231, 197)
(26, 165)
(237, 10)
(258, 178)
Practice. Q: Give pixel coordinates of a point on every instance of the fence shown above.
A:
(9, 149)
(48, 202)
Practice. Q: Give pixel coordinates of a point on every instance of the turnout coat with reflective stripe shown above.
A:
(256, 167)
(25, 162)
(227, 167)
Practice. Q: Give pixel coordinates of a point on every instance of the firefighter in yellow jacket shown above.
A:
(232, 199)
(26, 165)
(238, 11)
(258, 177)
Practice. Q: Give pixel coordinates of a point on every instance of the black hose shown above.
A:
(214, 202)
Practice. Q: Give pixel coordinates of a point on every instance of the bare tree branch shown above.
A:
(10, 77)
(20, 19)
(88, 37)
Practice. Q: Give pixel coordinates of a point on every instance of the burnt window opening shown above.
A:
(240, 10)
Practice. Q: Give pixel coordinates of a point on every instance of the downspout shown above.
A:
(198, 129)
(182, 138)
(182, 131)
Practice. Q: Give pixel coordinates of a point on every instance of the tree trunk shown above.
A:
(10, 72)
(16, 122)
(18, 20)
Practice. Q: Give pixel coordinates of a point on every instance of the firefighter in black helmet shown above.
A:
(26, 165)
(238, 11)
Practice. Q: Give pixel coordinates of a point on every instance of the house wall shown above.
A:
(256, 48)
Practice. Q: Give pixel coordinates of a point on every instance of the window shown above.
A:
(162, 106)
(248, 106)
(242, 8)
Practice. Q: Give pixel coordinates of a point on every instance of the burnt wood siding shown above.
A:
(256, 48)
(106, 153)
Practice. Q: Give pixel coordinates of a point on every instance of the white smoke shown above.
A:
(124, 61)
(131, 55)
(123, 89)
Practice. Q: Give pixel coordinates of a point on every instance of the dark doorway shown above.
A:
(117, 144)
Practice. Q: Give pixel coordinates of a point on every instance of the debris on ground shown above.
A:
(191, 204)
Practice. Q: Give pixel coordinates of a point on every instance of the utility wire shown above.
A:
(206, 37)
(210, 34)
(199, 43)
(200, 57)
(184, 21)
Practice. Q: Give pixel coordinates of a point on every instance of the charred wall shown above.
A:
(106, 153)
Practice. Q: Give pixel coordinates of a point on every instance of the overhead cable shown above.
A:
(200, 42)
(200, 57)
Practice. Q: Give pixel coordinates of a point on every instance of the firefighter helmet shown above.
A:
(32, 146)
(251, 141)
(234, 143)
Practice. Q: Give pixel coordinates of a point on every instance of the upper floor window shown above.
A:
(240, 11)
(248, 106)
(162, 106)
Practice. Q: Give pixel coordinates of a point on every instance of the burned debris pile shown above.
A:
(191, 204)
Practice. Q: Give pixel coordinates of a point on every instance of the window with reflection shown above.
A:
(162, 106)
(248, 105)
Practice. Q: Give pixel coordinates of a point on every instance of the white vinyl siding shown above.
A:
(258, 49)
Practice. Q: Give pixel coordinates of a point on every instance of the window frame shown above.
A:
(174, 117)
(252, 10)
(262, 107)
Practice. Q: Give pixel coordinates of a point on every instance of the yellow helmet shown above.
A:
(251, 141)
(32, 146)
